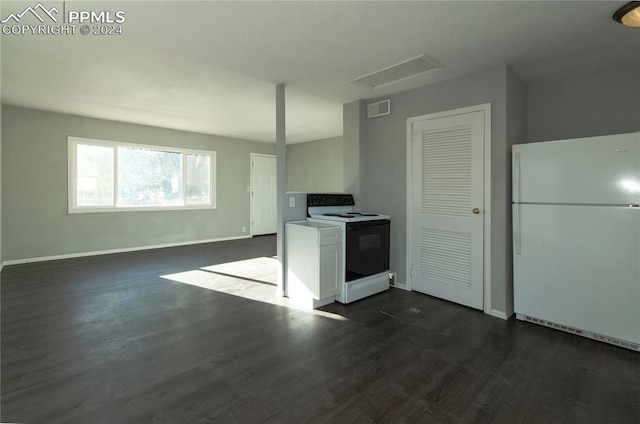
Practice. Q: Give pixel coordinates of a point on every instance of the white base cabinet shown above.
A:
(314, 261)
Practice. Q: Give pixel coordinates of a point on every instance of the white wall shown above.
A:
(601, 103)
(315, 166)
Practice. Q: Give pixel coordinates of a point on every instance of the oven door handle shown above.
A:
(354, 226)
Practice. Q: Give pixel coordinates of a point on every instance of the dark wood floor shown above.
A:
(117, 339)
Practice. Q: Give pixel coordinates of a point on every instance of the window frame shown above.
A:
(72, 172)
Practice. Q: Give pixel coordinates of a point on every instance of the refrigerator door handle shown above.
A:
(516, 177)
(517, 241)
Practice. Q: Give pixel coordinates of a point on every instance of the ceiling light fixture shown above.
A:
(629, 14)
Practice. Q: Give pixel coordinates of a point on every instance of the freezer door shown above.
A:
(596, 170)
(579, 266)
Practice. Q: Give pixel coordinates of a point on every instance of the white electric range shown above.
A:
(365, 244)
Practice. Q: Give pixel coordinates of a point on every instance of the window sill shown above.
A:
(140, 209)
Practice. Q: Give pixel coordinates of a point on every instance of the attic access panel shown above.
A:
(392, 74)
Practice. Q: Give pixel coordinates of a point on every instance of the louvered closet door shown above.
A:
(448, 183)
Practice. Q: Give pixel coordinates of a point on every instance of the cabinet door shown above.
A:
(330, 269)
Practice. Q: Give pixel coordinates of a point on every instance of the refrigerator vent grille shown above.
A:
(606, 339)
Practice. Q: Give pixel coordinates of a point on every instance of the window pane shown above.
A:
(198, 179)
(149, 177)
(94, 177)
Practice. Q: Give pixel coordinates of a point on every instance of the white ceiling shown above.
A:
(211, 67)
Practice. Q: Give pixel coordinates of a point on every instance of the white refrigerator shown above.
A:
(576, 236)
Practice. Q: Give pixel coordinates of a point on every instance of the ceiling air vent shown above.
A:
(378, 109)
(414, 67)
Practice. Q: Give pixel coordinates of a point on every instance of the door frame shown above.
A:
(251, 156)
(486, 108)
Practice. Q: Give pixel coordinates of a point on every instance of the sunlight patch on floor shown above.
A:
(257, 269)
(252, 279)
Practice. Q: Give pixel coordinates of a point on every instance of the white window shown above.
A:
(107, 176)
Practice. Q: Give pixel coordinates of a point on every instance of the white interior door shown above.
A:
(263, 194)
(448, 208)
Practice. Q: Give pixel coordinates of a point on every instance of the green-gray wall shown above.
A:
(315, 166)
(35, 218)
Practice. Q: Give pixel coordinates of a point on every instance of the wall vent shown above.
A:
(416, 66)
(379, 109)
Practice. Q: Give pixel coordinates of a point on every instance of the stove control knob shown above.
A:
(475, 211)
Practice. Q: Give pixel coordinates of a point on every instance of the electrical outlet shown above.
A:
(244, 229)
(292, 202)
(392, 278)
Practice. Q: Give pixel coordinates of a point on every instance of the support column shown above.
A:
(281, 175)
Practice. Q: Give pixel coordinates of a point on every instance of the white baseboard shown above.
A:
(493, 312)
(123, 250)
(500, 314)
(401, 286)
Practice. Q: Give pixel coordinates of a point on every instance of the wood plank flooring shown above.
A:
(174, 336)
